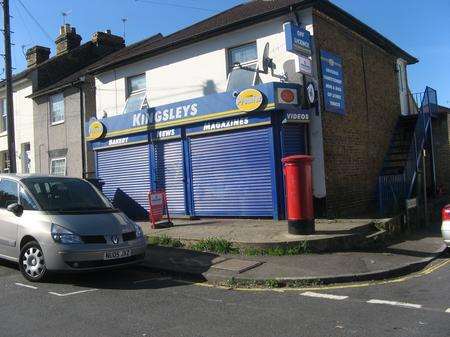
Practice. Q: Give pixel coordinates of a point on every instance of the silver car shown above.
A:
(50, 223)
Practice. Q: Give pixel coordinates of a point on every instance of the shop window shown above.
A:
(58, 167)
(4, 114)
(8, 193)
(136, 92)
(57, 108)
(25, 157)
(242, 64)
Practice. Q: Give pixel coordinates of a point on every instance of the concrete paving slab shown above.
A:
(340, 234)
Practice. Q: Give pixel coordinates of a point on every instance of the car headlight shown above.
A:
(138, 229)
(62, 235)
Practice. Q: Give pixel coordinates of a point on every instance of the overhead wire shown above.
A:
(30, 37)
(36, 21)
(154, 2)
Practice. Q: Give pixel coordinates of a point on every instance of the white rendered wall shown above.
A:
(23, 123)
(196, 70)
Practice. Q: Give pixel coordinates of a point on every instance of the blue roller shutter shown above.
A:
(293, 139)
(169, 174)
(231, 174)
(126, 174)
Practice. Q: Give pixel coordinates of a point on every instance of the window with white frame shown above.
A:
(136, 91)
(57, 108)
(58, 167)
(4, 162)
(4, 115)
(242, 63)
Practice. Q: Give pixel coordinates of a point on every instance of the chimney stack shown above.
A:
(36, 55)
(106, 39)
(67, 40)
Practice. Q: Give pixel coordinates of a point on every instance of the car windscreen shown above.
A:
(66, 195)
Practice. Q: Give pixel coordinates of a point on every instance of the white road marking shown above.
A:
(395, 303)
(25, 285)
(447, 311)
(153, 279)
(73, 293)
(328, 296)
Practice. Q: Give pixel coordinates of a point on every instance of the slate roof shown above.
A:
(237, 17)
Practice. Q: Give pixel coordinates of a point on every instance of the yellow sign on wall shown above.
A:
(96, 130)
(249, 100)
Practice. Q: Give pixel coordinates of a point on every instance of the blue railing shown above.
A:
(394, 189)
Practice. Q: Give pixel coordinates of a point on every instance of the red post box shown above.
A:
(299, 197)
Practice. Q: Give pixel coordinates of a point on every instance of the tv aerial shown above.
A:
(65, 15)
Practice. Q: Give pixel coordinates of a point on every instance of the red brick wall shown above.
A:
(441, 136)
(355, 144)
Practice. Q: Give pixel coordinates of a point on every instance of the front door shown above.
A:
(8, 221)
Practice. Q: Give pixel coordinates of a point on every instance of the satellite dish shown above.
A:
(266, 60)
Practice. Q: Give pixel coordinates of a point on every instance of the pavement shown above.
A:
(330, 235)
(411, 254)
(137, 302)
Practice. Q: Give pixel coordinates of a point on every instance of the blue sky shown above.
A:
(419, 27)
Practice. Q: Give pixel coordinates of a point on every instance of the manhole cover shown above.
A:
(237, 265)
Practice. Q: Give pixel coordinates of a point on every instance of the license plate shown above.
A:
(117, 254)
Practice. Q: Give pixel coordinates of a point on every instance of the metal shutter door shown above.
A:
(169, 174)
(126, 174)
(293, 139)
(231, 174)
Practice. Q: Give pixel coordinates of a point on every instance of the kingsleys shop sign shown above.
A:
(298, 39)
(211, 107)
(332, 82)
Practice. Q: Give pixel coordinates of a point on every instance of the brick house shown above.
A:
(147, 142)
(37, 138)
(60, 109)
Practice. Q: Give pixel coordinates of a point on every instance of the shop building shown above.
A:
(207, 112)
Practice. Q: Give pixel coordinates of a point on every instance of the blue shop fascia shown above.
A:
(214, 156)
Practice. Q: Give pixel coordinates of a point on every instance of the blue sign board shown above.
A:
(120, 141)
(166, 134)
(229, 124)
(192, 111)
(298, 39)
(297, 116)
(332, 82)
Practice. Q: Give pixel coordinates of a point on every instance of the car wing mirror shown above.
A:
(15, 208)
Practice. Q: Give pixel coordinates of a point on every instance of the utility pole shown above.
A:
(9, 89)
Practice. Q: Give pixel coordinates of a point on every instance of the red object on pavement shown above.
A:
(446, 213)
(158, 208)
(299, 195)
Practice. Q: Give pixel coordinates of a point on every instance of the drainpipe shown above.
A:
(82, 121)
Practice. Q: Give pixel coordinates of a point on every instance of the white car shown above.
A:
(445, 229)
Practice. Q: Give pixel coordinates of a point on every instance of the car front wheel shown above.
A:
(32, 263)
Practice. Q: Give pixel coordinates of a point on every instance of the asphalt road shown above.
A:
(143, 303)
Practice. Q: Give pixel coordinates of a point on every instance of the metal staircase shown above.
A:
(412, 134)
